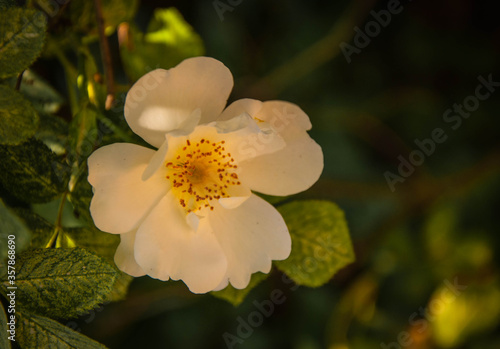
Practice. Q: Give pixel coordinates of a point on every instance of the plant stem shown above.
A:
(58, 224)
(106, 56)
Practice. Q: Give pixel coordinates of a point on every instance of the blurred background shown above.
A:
(426, 243)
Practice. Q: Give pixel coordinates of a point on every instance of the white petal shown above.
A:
(121, 198)
(238, 194)
(188, 125)
(124, 256)
(292, 169)
(166, 246)
(288, 171)
(163, 100)
(283, 116)
(222, 285)
(251, 236)
(278, 114)
(232, 202)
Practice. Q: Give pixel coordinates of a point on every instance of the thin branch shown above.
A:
(106, 57)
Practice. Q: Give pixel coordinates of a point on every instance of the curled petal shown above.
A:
(167, 247)
(121, 198)
(164, 100)
(251, 235)
(283, 116)
(241, 106)
(246, 139)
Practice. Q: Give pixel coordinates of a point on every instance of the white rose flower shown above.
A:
(186, 211)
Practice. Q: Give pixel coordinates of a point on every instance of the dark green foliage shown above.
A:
(18, 119)
(62, 283)
(22, 37)
(31, 172)
(35, 331)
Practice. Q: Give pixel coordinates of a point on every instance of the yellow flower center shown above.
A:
(202, 171)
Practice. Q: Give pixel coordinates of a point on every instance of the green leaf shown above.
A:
(62, 283)
(4, 340)
(120, 288)
(18, 119)
(321, 244)
(103, 244)
(40, 332)
(235, 296)
(10, 224)
(31, 172)
(21, 41)
(168, 41)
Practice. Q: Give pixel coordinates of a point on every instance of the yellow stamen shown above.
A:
(202, 171)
